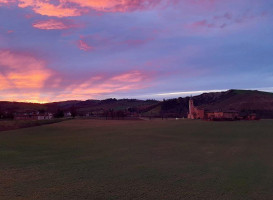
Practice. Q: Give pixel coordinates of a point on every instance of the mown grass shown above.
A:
(89, 159)
(17, 124)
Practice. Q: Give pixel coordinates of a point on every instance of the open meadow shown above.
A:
(97, 159)
(6, 125)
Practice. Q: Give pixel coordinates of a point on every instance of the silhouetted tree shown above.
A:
(106, 114)
(121, 114)
(112, 113)
(42, 111)
(59, 113)
(1, 112)
(73, 111)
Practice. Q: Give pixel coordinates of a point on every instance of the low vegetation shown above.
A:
(17, 124)
(157, 159)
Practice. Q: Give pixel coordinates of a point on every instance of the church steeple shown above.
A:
(191, 109)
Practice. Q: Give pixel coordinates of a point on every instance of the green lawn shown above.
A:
(88, 159)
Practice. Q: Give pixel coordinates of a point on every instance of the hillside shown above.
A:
(19, 106)
(244, 101)
(82, 107)
(97, 105)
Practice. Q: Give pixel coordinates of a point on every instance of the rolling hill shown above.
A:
(244, 101)
(81, 106)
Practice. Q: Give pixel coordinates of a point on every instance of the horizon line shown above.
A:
(182, 93)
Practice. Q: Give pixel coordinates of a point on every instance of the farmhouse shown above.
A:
(68, 114)
(45, 116)
(222, 115)
(33, 116)
(196, 113)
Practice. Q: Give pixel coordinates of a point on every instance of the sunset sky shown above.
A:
(55, 50)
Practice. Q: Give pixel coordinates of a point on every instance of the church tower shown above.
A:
(191, 109)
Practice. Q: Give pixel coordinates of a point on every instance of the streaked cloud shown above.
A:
(198, 92)
(188, 93)
(103, 85)
(226, 20)
(24, 77)
(114, 5)
(132, 77)
(109, 48)
(110, 42)
(54, 24)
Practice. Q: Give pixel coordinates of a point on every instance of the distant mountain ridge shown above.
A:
(243, 101)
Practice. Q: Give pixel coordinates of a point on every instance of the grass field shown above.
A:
(88, 159)
(17, 124)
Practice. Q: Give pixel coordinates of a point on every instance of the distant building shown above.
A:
(196, 113)
(33, 116)
(222, 115)
(252, 116)
(45, 116)
(68, 114)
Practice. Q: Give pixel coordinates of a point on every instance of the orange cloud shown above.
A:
(26, 96)
(53, 24)
(3, 82)
(24, 77)
(114, 5)
(132, 77)
(99, 86)
(29, 86)
(42, 7)
(20, 71)
(69, 8)
(102, 5)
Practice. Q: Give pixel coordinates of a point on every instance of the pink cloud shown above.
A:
(42, 7)
(115, 5)
(6, 2)
(53, 24)
(100, 42)
(22, 71)
(100, 85)
(10, 31)
(84, 45)
(203, 23)
(69, 8)
(25, 77)
(131, 77)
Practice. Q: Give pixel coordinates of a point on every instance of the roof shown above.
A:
(223, 111)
